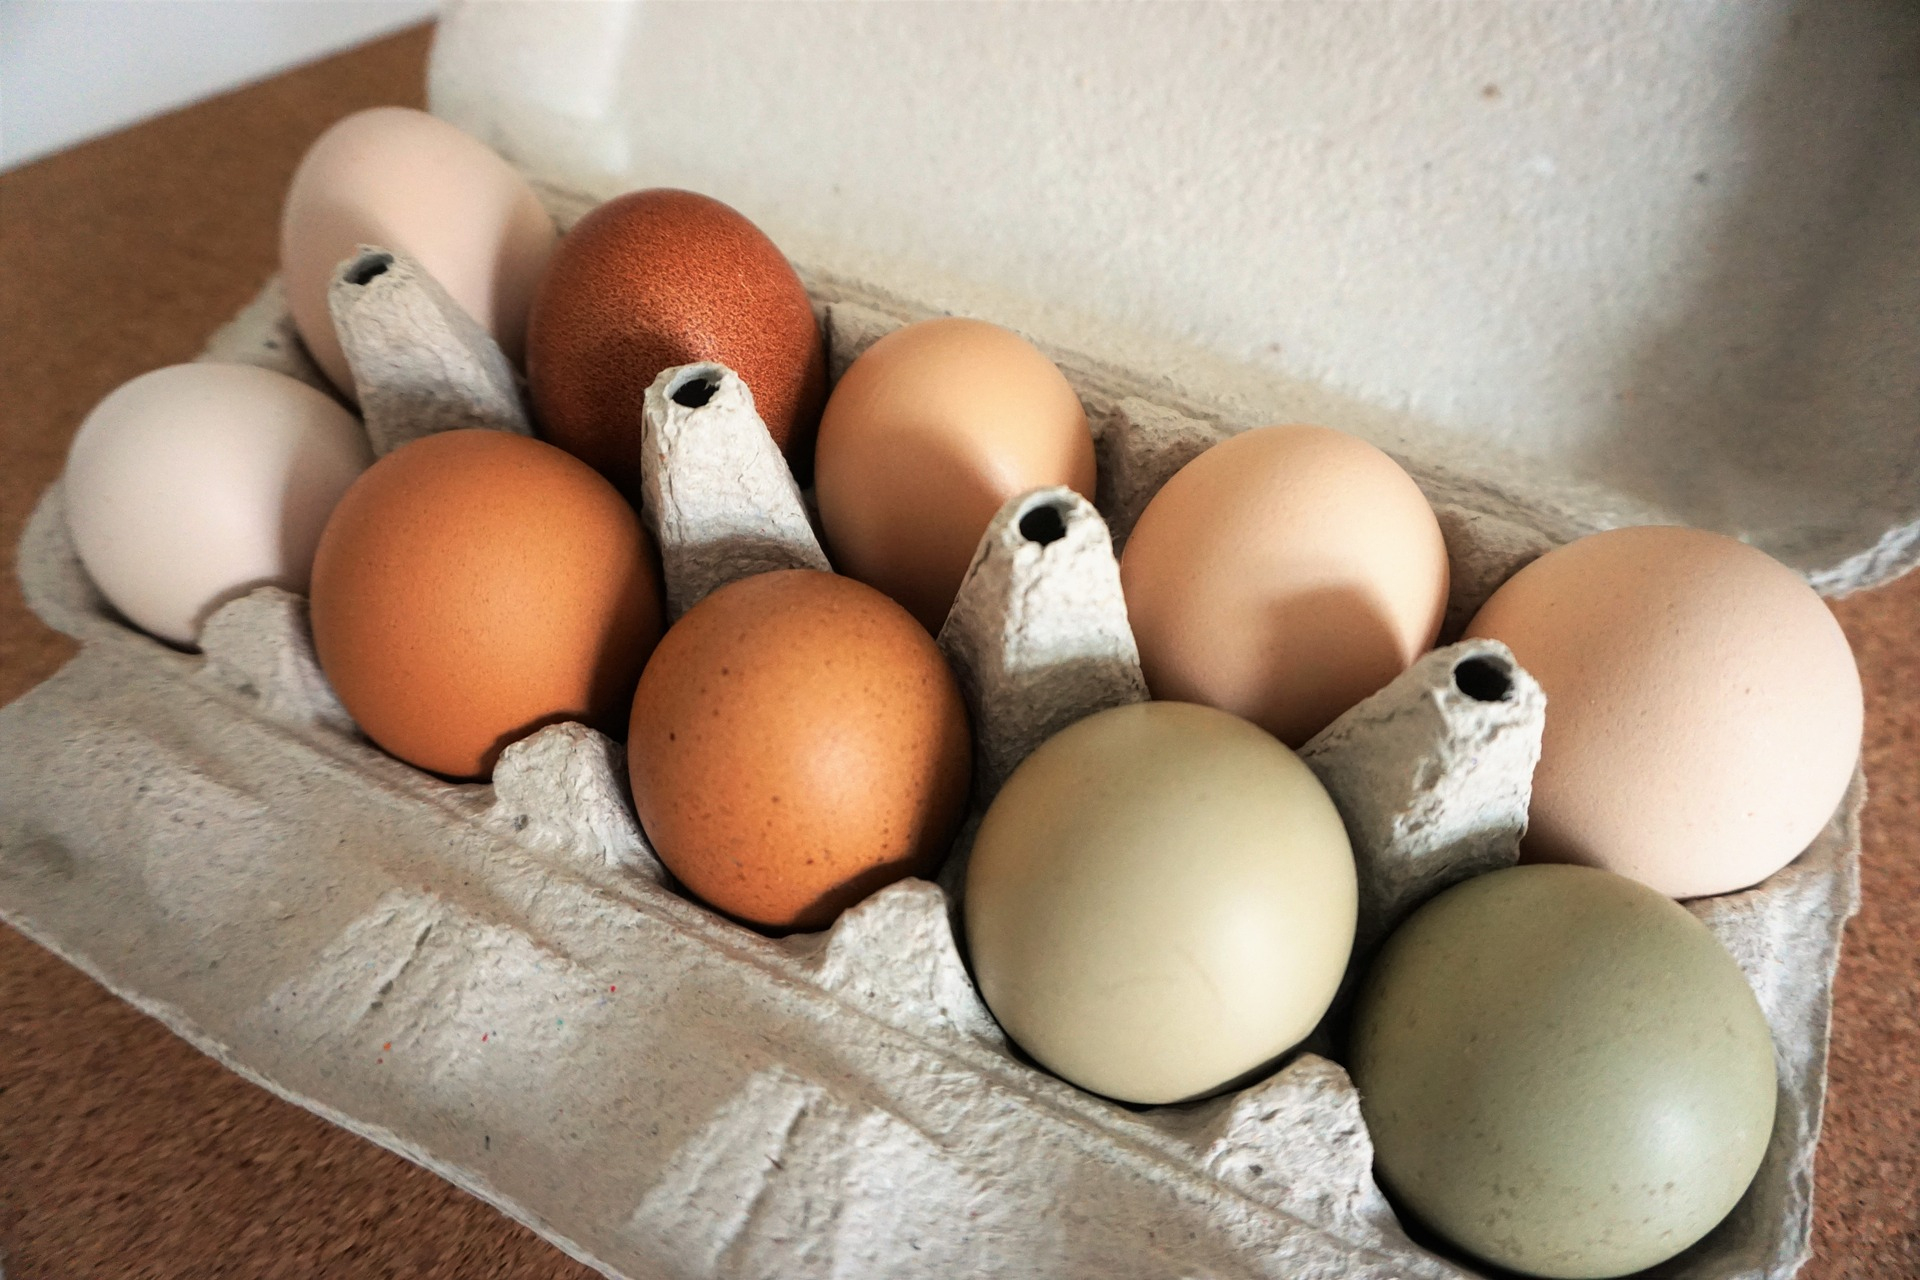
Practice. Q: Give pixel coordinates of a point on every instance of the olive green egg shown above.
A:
(1160, 901)
(1563, 1071)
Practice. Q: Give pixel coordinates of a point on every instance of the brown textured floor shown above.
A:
(123, 1152)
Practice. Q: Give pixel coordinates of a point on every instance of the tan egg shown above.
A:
(402, 179)
(1284, 575)
(925, 437)
(796, 743)
(1703, 707)
(473, 587)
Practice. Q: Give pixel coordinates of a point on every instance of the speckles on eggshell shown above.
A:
(863, 762)
(659, 278)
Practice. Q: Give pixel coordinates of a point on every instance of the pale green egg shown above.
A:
(1563, 1071)
(1160, 902)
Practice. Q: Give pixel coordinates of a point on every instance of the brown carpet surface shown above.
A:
(124, 1152)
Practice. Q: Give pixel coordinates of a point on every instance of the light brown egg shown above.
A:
(1283, 575)
(1703, 707)
(927, 434)
(475, 586)
(402, 179)
(659, 278)
(797, 742)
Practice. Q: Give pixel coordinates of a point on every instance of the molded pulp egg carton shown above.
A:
(499, 981)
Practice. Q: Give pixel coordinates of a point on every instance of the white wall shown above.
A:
(1667, 246)
(74, 69)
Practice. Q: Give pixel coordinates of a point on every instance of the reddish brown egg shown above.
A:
(797, 742)
(475, 586)
(660, 278)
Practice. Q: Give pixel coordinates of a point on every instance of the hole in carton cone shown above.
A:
(1043, 524)
(368, 268)
(695, 392)
(1483, 680)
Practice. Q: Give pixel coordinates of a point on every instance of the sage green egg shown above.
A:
(1563, 1071)
(1160, 902)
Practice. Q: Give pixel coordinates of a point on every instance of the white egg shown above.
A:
(402, 179)
(191, 485)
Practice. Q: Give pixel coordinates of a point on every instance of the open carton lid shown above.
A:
(1660, 267)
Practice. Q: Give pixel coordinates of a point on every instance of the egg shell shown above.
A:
(796, 743)
(1563, 1072)
(926, 436)
(659, 278)
(1703, 707)
(402, 179)
(1300, 1126)
(191, 485)
(1160, 901)
(1283, 575)
(475, 586)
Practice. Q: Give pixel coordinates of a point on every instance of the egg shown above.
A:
(402, 179)
(191, 485)
(1284, 575)
(925, 437)
(1703, 707)
(1159, 902)
(797, 742)
(1563, 1072)
(474, 586)
(660, 278)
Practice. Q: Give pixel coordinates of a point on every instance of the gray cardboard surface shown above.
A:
(497, 980)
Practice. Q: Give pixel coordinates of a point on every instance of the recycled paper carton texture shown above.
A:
(1574, 268)
(656, 1089)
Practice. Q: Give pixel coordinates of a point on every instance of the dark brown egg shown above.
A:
(660, 278)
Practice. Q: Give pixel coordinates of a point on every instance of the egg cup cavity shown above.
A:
(850, 329)
(1038, 634)
(1431, 782)
(694, 1064)
(715, 491)
(263, 334)
(1142, 445)
(55, 583)
(261, 647)
(421, 364)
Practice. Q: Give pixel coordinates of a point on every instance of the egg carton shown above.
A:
(500, 982)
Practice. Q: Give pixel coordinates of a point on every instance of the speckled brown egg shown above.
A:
(797, 742)
(660, 278)
(473, 587)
